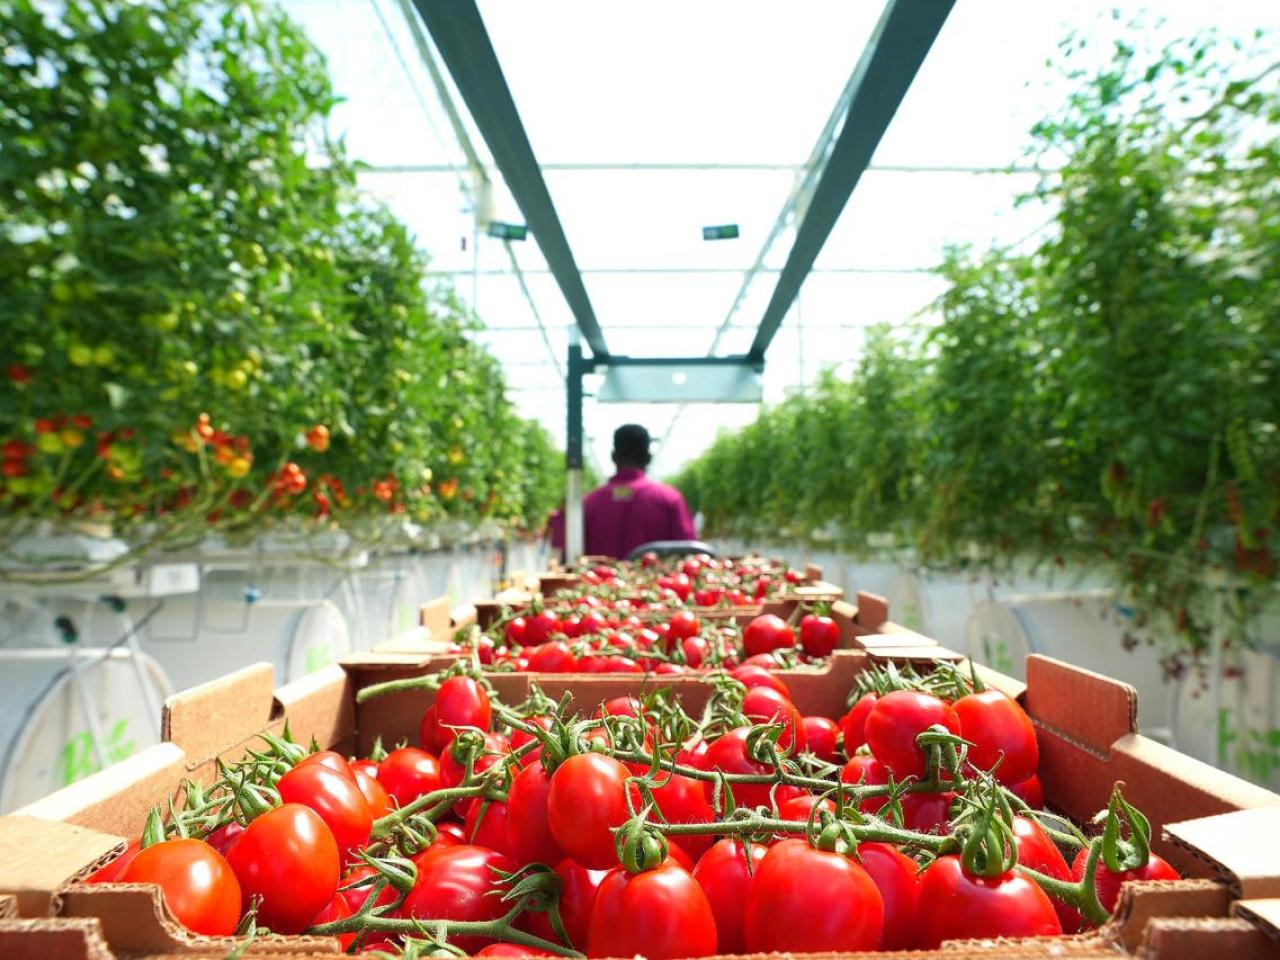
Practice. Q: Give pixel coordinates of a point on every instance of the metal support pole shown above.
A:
(574, 533)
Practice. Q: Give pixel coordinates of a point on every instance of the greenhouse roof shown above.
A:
(649, 128)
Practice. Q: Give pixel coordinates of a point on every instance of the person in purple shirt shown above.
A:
(630, 509)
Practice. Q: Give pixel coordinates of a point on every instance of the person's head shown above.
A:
(631, 447)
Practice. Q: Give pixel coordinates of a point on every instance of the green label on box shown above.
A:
(78, 759)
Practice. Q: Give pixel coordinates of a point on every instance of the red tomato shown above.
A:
(868, 771)
(461, 702)
(288, 857)
(682, 800)
(367, 767)
(804, 900)
(754, 675)
(199, 886)
(519, 738)
(111, 870)
(897, 877)
(222, 838)
(820, 738)
(571, 627)
(1037, 851)
(409, 773)
(430, 734)
(955, 905)
(586, 801)
(622, 707)
(669, 669)
(766, 705)
(853, 725)
(723, 874)
(331, 759)
(504, 949)
(592, 623)
(765, 633)
(729, 753)
(356, 896)
(799, 808)
(336, 798)
(337, 909)
(1000, 731)
(683, 625)
(552, 657)
(1031, 792)
(578, 889)
(453, 770)
(1107, 884)
(694, 650)
(375, 794)
(540, 627)
(927, 812)
(514, 631)
(486, 825)
(818, 635)
(896, 720)
(660, 913)
(529, 838)
(459, 883)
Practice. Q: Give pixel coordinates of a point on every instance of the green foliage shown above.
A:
(190, 282)
(1108, 398)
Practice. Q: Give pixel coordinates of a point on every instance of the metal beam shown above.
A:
(693, 167)
(460, 36)
(885, 71)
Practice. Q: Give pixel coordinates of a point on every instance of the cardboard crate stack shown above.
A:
(1222, 833)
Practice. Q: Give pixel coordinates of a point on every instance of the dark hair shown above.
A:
(631, 446)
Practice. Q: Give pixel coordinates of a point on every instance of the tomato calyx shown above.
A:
(640, 847)
(1121, 852)
(988, 848)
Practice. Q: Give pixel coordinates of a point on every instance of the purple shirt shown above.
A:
(630, 509)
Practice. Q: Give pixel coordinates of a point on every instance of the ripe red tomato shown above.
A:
(540, 627)
(820, 738)
(682, 799)
(586, 801)
(593, 623)
(895, 722)
(356, 897)
(999, 730)
(461, 702)
(818, 635)
(801, 807)
(504, 949)
(725, 877)
(661, 914)
(765, 633)
(430, 734)
(766, 705)
(453, 770)
(956, 905)
(289, 858)
(694, 650)
(729, 753)
(529, 837)
(853, 725)
(683, 625)
(408, 773)
(336, 798)
(927, 812)
(459, 883)
(337, 909)
(897, 877)
(804, 900)
(485, 825)
(1037, 851)
(368, 767)
(1107, 884)
(868, 771)
(110, 871)
(518, 738)
(514, 631)
(578, 889)
(754, 675)
(1030, 791)
(331, 759)
(552, 657)
(375, 794)
(199, 885)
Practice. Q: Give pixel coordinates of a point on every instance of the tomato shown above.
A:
(367, 767)
(723, 874)
(1038, 851)
(897, 877)
(337, 909)
(729, 753)
(820, 738)
(592, 623)
(853, 725)
(409, 773)
(766, 705)
(110, 871)
(804, 900)
(927, 812)
(356, 897)
(461, 702)
(222, 838)
(683, 625)
(375, 794)
(485, 824)
(336, 798)
(518, 738)
(1107, 884)
(799, 808)
(765, 633)
(1000, 731)
(504, 949)
(1030, 791)
(578, 889)
(660, 913)
(199, 886)
(430, 734)
(454, 770)
(818, 635)
(514, 631)
(552, 657)
(529, 838)
(956, 905)
(896, 720)
(540, 627)
(586, 801)
(868, 771)
(695, 650)
(288, 857)
(682, 799)
(331, 759)
(459, 883)
(754, 675)
(622, 707)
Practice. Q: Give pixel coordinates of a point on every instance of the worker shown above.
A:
(630, 509)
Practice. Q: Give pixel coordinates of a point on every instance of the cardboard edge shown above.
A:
(202, 720)
(434, 615)
(64, 939)
(1140, 903)
(1194, 938)
(1262, 913)
(1223, 842)
(67, 851)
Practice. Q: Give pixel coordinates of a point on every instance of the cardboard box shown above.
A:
(1088, 738)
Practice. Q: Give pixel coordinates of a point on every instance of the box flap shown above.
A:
(1185, 938)
(1264, 914)
(813, 572)
(207, 719)
(320, 706)
(1140, 902)
(462, 615)
(64, 851)
(1240, 845)
(434, 615)
(902, 636)
(79, 939)
(1087, 707)
(873, 610)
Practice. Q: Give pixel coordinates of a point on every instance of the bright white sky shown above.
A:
(739, 82)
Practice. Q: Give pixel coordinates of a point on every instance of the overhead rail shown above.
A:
(892, 57)
(460, 36)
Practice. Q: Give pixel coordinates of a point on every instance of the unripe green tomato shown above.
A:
(237, 379)
(104, 356)
(49, 443)
(80, 355)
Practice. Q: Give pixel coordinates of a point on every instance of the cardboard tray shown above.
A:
(1088, 738)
